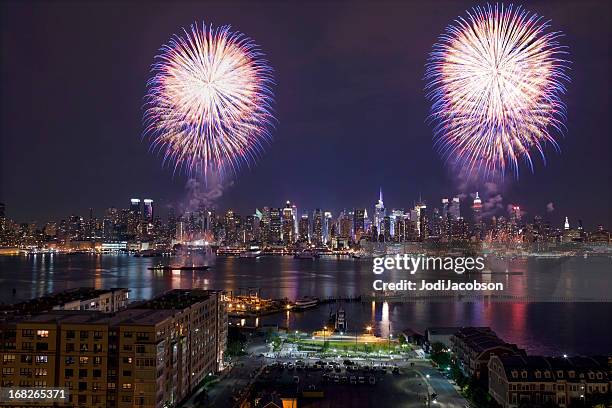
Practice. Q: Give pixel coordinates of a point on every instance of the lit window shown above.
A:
(42, 333)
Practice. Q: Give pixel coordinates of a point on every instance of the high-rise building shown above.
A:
(317, 227)
(454, 209)
(418, 216)
(477, 207)
(328, 225)
(359, 215)
(386, 228)
(147, 210)
(303, 227)
(399, 229)
(445, 208)
(133, 225)
(345, 223)
(275, 234)
(515, 214)
(153, 354)
(379, 211)
(231, 236)
(288, 224)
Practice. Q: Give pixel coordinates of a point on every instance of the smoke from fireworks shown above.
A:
(495, 79)
(208, 104)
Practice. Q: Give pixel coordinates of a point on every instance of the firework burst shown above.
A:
(495, 79)
(208, 104)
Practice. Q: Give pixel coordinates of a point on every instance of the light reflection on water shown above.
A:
(539, 327)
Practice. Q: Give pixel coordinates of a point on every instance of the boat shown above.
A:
(305, 302)
(253, 252)
(160, 267)
(306, 254)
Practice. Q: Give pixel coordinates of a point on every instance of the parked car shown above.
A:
(336, 378)
(372, 380)
(361, 379)
(353, 379)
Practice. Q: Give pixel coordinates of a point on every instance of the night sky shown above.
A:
(350, 107)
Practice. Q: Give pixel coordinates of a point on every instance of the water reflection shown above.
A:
(532, 325)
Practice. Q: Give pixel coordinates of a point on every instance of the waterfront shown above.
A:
(540, 327)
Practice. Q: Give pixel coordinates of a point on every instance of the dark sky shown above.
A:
(349, 102)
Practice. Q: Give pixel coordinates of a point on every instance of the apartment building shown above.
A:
(108, 301)
(150, 355)
(534, 380)
(474, 346)
(104, 300)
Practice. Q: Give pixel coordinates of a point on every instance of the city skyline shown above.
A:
(339, 117)
(453, 220)
(471, 204)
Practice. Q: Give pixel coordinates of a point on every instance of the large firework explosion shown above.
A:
(495, 79)
(208, 104)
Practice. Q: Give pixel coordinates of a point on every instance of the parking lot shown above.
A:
(326, 383)
(315, 374)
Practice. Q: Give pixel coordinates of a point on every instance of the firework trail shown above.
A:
(208, 104)
(495, 80)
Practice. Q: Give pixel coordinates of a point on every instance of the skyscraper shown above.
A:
(317, 227)
(275, 226)
(379, 211)
(328, 224)
(358, 223)
(230, 228)
(133, 222)
(288, 224)
(477, 207)
(444, 208)
(303, 226)
(386, 228)
(454, 209)
(147, 213)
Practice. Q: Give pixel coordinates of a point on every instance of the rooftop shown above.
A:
(48, 302)
(176, 299)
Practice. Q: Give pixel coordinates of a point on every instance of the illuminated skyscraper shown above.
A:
(359, 215)
(147, 213)
(317, 227)
(386, 228)
(327, 226)
(303, 226)
(230, 228)
(288, 224)
(477, 207)
(133, 226)
(454, 209)
(345, 224)
(444, 208)
(275, 226)
(379, 211)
